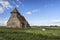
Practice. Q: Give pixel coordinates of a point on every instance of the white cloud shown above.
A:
(45, 23)
(33, 11)
(17, 0)
(17, 5)
(28, 12)
(1, 9)
(3, 22)
(5, 4)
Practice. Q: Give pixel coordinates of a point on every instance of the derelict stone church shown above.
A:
(16, 20)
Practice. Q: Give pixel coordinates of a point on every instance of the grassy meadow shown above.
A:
(33, 33)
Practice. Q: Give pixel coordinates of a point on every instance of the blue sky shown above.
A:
(36, 12)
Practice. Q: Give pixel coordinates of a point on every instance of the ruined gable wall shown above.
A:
(14, 22)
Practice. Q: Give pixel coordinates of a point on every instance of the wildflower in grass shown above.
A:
(43, 29)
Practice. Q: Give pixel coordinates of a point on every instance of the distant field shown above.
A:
(33, 33)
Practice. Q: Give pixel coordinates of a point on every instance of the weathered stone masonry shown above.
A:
(16, 20)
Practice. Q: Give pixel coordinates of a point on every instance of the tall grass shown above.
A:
(33, 33)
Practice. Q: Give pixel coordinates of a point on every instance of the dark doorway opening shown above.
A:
(23, 25)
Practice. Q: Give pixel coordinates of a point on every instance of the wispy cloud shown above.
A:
(18, 3)
(5, 4)
(3, 22)
(1, 9)
(45, 22)
(33, 11)
(29, 12)
(17, 0)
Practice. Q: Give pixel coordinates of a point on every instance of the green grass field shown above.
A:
(33, 33)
